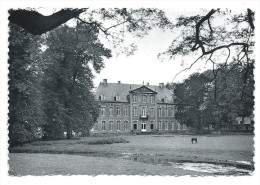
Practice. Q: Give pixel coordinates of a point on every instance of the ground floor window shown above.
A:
(103, 125)
(166, 125)
(178, 126)
(172, 122)
(135, 125)
(125, 125)
(152, 125)
(118, 125)
(159, 125)
(111, 125)
(183, 127)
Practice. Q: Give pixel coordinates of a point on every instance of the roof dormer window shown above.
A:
(102, 97)
(117, 97)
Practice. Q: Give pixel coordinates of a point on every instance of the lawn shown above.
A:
(236, 150)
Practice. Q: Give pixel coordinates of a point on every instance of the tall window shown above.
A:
(160, 111)
(103, 111)
(117, 97)
(143, 111)
(166, 125)
(172, 123)
(135, 111)
(178, 126)
(152, 98)
(172, 112)
(110, 111)
(103, 125)
(118, 111)
(183, 127)
(152, 125)
(166, 111)
(111, 125)
(135, 125)
(152, 112)
(160, 125)
(144, 98)
(125, 111)
(118, 123)
(125, 125)
(103, 97)
(134, 98)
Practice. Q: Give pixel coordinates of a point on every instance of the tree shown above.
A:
(219, 44)
(190, 97)
(70, 103)
(25, 110)
(37, 24)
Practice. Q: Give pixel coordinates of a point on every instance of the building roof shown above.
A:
(110, 90)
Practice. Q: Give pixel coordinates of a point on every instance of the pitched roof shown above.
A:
(110, 90)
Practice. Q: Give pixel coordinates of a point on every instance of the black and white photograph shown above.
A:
(129, 90)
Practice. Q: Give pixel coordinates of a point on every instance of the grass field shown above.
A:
(154, 151)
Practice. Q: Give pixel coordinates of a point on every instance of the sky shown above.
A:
(144, 66)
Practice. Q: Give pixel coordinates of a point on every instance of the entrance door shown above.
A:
(143, 123)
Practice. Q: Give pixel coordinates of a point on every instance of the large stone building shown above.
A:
(126, 108)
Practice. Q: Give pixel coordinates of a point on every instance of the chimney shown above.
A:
(161, 85)
(147, 83)
(119, 82)
(104, 81)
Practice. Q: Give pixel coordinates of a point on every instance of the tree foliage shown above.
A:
(25, 111)
(203, 104)
(70, 102)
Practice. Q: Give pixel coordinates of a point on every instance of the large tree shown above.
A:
(25, 91)
(69, 100)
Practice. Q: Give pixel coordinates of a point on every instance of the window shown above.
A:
(111, 125)
(135, 125)
(166, 125)
(172, 123)
(110, 111)
(118, 111)
(134, 98)
(160, 111)
(135, 111)
(125, 125)
(172, 112)
(117, 97)
(152, 98)
(166, 112)
(103, 97)
(103, 125)
(143, 111)
(103, 111)
(144, 98)
(118, 125)
(178, 126)
(152, 112)
(183, 127)
(160, 125)
(125, 111)
(152, 125)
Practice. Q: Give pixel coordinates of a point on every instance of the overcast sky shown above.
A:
(144, 65)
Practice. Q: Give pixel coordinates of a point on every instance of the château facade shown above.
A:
(126, 108)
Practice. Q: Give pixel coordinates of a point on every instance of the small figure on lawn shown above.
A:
(194, 139)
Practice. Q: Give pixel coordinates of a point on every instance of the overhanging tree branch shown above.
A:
(37, 24)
